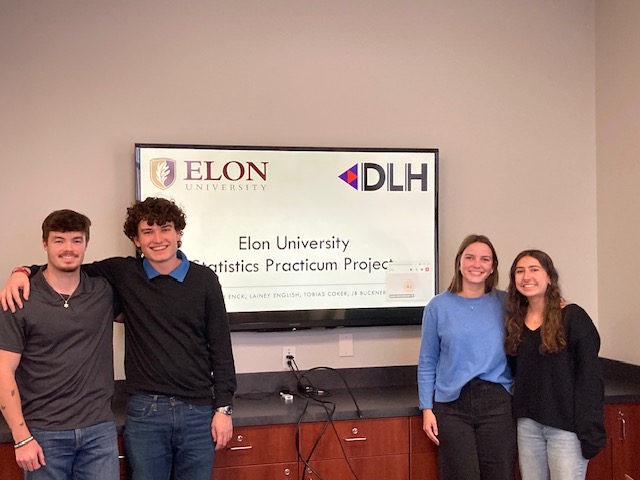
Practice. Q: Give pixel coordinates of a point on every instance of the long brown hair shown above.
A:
(551, 332)
(491, 283)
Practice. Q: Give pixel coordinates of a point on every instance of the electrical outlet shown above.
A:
(287, 351)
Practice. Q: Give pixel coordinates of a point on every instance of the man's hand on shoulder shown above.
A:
(14, 290)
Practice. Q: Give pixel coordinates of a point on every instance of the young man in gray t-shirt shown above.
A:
(56, 364)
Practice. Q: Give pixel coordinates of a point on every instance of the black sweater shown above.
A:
(176, 333)
(563, 390)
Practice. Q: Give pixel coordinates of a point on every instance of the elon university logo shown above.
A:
(368, 177)
(163, 172)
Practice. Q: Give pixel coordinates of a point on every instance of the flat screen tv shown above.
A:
(306, 237)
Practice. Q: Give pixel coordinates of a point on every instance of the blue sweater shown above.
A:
(462, 338)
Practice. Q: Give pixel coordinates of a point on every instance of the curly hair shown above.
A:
(65, 221)
(155, 211)
(552, 331)
(491, 283)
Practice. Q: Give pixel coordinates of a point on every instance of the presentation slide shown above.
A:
(304, 229)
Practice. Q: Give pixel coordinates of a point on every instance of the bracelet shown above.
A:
(26, 271)
(23, 442)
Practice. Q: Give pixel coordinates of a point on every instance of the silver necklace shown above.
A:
(65, 300)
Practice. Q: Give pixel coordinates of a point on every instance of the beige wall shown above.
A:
(618, 174)
(504, 88)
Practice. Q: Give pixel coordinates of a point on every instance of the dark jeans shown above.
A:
(166, 437)
(477, 434)
(88, 453)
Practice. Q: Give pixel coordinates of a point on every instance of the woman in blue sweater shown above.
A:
(559, 389)
(463, 379)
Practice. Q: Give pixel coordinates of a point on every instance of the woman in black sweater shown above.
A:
(559, 389)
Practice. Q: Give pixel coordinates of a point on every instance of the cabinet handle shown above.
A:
(248, 447)
(122, 457)
(356, 439)
(624, 428)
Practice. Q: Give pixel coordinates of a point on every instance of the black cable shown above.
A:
(307, 390)
(335, 431)
(355, 403)
(304, 460)
(300, 380)
(313, 447)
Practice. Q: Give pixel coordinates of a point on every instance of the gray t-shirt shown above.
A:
(65, 376)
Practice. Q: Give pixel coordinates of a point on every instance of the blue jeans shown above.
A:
(549, 453)
(166, 437)
(477, 434)
(89, 453)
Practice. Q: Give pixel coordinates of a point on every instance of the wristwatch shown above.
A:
(227, 410)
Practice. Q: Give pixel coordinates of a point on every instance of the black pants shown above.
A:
(477, 434)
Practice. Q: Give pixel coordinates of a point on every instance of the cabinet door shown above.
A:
(601, 466)
(388, 467)
(9, 469)
(423, 461)
(423, 467)
(274, 471)
(355, 438)
(626, 442)
(259, 445)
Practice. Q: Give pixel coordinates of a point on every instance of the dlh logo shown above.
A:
(163, 172)
(368, 177)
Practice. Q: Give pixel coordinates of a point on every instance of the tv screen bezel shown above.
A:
(294, 320)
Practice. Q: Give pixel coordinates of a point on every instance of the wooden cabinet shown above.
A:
(619, 460)
(423, 459)
(9, 469)
(623, 421)
(601, 466)
(389, 467)
(389, 448)
(260, 452)
(372, 448)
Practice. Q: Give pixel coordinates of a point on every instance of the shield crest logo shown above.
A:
(163, 172)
